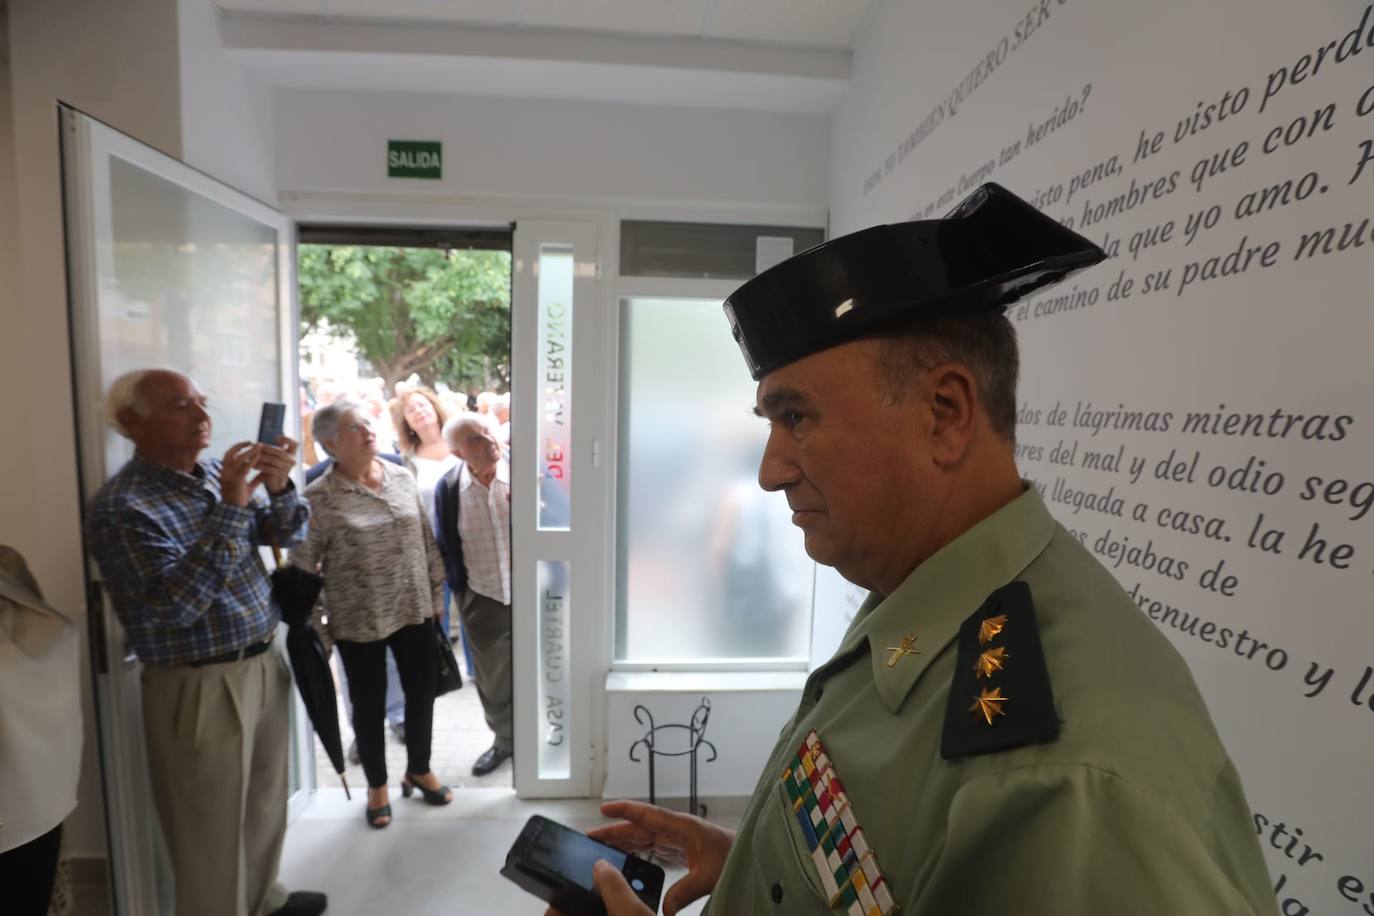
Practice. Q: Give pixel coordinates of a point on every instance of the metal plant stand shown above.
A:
(696, 737)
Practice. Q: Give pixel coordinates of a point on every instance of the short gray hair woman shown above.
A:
(384, 585)
(325, 424)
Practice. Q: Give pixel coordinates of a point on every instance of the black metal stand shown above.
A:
(696, 732)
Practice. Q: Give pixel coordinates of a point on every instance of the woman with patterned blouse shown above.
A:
(371, 540)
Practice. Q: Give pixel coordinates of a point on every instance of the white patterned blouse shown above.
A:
(382, 570)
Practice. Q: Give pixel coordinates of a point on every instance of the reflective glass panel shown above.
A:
(555, 278)
(553, 580)
(189, 284)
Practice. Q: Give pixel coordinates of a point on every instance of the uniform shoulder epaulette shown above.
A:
(1000, 697)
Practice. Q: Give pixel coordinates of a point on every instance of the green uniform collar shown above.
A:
(942, 592)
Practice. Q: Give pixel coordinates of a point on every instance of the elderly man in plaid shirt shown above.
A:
(176, 538)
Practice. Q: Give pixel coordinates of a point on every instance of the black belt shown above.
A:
(256, 648)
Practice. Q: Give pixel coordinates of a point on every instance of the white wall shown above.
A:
(117, 63)
(1290, 337)
(226, 114)
(11, 368)
(590, 153)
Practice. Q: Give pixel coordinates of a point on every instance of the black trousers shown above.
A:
(365, 664)
(27, 874)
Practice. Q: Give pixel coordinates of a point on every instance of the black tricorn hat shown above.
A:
(991, 250)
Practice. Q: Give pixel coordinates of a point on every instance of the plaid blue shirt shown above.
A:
(182, 566)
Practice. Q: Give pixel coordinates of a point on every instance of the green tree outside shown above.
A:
(443, 315)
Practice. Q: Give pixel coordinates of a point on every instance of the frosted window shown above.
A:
(710, 565)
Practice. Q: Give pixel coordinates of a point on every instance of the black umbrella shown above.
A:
(295, 591)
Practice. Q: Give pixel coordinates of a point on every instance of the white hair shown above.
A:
(325, 422)
(459, 422)
(124, 394)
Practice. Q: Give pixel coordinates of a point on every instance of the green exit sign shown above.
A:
(413, 159)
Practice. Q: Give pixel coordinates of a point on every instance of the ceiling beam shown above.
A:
(275, 33)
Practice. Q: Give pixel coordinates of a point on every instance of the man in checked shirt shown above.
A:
(176, 538)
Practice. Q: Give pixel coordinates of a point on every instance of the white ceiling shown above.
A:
(769, 55)
(801, 23)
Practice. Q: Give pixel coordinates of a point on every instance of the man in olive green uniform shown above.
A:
(1001, 730)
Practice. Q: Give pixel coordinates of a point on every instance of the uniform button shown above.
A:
(777, 893)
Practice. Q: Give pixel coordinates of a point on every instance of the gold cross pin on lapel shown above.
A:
(907, 647)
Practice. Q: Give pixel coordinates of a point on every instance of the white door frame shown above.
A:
(590, 546)
(558, 623)
(88, 147)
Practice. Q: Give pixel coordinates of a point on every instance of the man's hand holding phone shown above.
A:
(276, 454)
(274, 464)
(680, 838)
(235, 487)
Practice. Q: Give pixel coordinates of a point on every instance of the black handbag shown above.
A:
(450, 678)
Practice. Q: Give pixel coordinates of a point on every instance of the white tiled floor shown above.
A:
(429, 861)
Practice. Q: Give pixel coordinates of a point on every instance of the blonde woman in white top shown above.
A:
(419, 416)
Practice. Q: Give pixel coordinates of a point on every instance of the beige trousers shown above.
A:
(218, 739)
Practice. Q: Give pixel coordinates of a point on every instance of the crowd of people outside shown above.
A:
(383, 410)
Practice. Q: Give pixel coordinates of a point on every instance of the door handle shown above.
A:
(95, 619)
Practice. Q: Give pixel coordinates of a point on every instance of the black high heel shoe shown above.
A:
(440, 796)
(375, 815)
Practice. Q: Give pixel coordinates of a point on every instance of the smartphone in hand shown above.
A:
(270, 424)
(554, 863)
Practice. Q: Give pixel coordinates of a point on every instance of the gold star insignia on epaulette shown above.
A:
(990, 661)
(988, 704)
(907, 647)
(991, 627)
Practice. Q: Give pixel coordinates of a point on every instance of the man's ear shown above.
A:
(953, 402)
(130, 420)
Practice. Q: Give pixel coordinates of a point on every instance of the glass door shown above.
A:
(166, 268)
(559, 504)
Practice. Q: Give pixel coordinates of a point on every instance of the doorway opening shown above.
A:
(392, 317)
